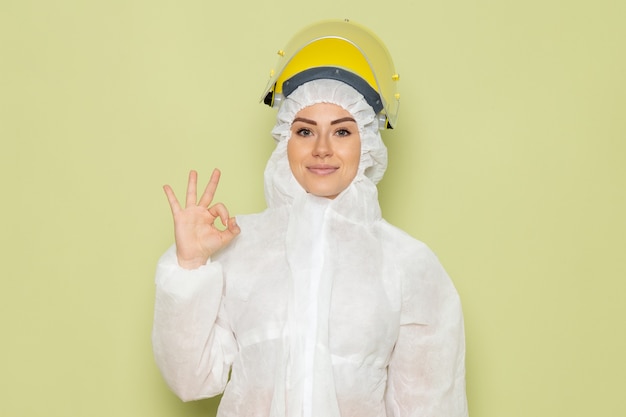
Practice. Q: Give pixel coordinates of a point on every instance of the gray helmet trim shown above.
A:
(333, 73)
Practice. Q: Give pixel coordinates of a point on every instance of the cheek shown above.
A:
(353, 157)
(293, 153)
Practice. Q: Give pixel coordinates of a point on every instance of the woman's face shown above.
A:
(324, 149)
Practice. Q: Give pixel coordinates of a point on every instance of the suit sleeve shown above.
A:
(426, 374)
(192, 345)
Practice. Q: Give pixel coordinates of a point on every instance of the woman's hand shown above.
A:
(197, 237)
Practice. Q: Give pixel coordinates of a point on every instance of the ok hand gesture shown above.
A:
(197, 237)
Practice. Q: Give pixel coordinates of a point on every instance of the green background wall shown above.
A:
(509, 160)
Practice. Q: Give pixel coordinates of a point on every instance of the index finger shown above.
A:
(209, 191)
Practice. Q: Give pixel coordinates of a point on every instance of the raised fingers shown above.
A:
(171, 198)
(209, 191)
(192, 189)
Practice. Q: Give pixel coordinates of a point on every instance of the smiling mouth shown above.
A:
(322, 169)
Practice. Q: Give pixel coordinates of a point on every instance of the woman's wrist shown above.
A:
(194, 263)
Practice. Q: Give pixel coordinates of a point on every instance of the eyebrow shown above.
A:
(343, 119)
(313, 122)
(302, 119)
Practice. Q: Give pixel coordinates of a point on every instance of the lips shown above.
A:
(322, 169)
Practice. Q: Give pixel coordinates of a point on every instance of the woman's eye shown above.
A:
(304, 132)
(343, 132)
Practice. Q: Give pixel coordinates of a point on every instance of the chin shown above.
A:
(324, 193)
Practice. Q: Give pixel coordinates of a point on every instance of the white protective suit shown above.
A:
(319, 307)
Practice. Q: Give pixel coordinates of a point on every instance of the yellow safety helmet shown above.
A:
(341, 50)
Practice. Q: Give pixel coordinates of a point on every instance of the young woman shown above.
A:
(316, 306)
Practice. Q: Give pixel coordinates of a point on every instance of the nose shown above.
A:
(322, 147)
